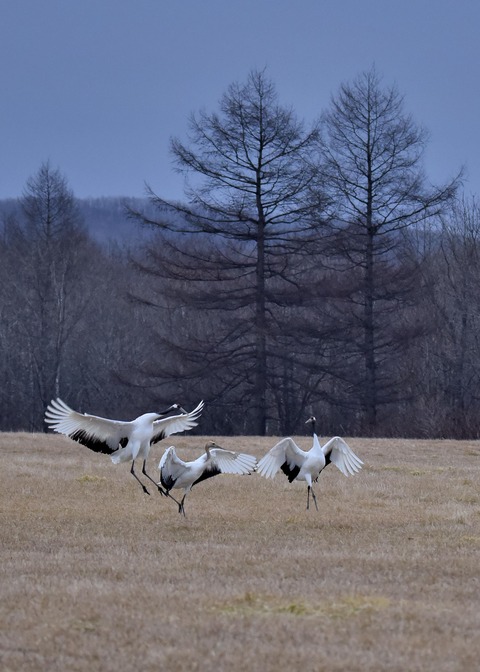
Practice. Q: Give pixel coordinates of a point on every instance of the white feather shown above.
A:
(176, 473)
(300, 465)
(122, 440)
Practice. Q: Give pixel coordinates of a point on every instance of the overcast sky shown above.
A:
(98, 87)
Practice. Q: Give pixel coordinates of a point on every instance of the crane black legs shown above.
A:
(144, 488)
(144, 472)
(181, 508)
(310, 490)
(132, 471)
(163, 492)
(160, 489)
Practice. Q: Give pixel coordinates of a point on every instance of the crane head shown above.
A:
(173, 407)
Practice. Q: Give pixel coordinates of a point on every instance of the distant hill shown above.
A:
(105, 218)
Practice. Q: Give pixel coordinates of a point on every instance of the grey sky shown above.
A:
(98, 87)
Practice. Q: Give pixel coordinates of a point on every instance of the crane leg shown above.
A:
(181, 508)
(310, 489)
(132, 471)
(144, 472)
(157, 485)
(172, 497)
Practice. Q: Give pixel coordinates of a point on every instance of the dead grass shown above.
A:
(97, 576)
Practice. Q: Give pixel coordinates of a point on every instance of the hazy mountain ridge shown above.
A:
(106, 217)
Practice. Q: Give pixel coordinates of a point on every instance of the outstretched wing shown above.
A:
(171, 468)
(175, 424)
(99, 434)
(223, 461)
(336, 450)
(285, 455)
(229, 462)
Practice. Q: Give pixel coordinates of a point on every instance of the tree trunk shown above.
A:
(260, 396)
(370, 402)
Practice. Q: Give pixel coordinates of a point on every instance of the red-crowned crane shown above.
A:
(301, 465)
(175, 473)
(124, 441)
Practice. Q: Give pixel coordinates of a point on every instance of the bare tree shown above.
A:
(46, 255)
(372, 163)
(250, 200)
(450, 367)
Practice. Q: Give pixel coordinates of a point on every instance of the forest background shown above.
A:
(310, 269)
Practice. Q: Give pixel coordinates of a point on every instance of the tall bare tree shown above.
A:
(250, 171)
(47, 253)
(373, 165)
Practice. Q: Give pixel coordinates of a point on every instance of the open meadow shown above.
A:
(98, 576)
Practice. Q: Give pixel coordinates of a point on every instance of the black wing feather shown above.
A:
(167, 482)
(81, 436)
(290, 472)
(208, 473)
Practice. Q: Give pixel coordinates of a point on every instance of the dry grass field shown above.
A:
(98, 576)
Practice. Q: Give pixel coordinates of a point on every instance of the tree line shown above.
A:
(309, 270)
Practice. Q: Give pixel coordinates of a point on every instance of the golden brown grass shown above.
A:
(98, 576)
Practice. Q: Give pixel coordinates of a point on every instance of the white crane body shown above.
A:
(176, 473)
(301, 465)
(124, 441)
